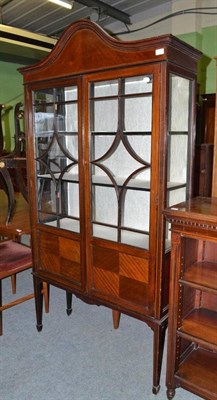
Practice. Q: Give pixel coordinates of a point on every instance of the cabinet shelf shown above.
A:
(105, 181)
(201, 274)
(66, 177)
(102, 180)
(198, 372)
(199, 325)
(175, 185)
(49, 134)
(65, 223)
(126, 133)
(132, 184)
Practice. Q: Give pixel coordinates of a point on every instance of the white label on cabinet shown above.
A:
(159, 52)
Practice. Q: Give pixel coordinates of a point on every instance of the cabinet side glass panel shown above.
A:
(179, 131)
(56, 157)
(120, 131)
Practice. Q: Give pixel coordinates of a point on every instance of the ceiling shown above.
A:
(46, 18)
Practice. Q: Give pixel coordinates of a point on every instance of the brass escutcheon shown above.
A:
(2, 164)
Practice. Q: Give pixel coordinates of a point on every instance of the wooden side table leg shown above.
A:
(159, 339)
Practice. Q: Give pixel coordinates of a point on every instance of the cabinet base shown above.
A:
(155, 389)
(170, 393)
(39, 327)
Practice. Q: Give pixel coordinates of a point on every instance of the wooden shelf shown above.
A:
(201, 274)
(200, 325)
(48, 134)
(198, 372)
(105, 181)
(65, 223)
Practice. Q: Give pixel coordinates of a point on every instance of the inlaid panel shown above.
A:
(60, 256)
(121, 275)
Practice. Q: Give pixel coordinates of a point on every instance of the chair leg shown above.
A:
(14, 283)
(46, 294)
(0, 308)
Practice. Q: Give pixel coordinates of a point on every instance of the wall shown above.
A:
(11, 83)
(199, 30)
(206, 41)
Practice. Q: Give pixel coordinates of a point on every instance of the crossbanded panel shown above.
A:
(120, 275)
(106, 282)
(133, 267)
(60, 256)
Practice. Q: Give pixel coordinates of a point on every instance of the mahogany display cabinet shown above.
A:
(192, 331)
(110, 135)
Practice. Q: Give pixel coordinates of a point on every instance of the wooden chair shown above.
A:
(14, 258)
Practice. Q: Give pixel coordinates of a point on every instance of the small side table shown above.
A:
(192, 329)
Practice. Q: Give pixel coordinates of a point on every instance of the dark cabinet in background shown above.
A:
(203, 169)
(208, 117)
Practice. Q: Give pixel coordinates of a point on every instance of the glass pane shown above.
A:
(44, 121)
(178, 158)
(56, 151)
(67, 118)
(136, 210)
(42, 143)
(116, 158)
(179, 103)
(43, 96)
(72, 199)
(101, 145)
(141, 144)
(105, 232)
(65, 223)
(176, 196)
(178, 143)
(135, 239)
(55, 157)
(106, 88)
(138, 84)
(105, 205)
(106, 116)
(138, 114)
(46, 199)
(63, 94)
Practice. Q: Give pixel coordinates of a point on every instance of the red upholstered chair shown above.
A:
(14, 258)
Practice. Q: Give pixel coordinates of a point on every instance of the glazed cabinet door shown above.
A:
(127, 163)
(57, 149)
(120, 133)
